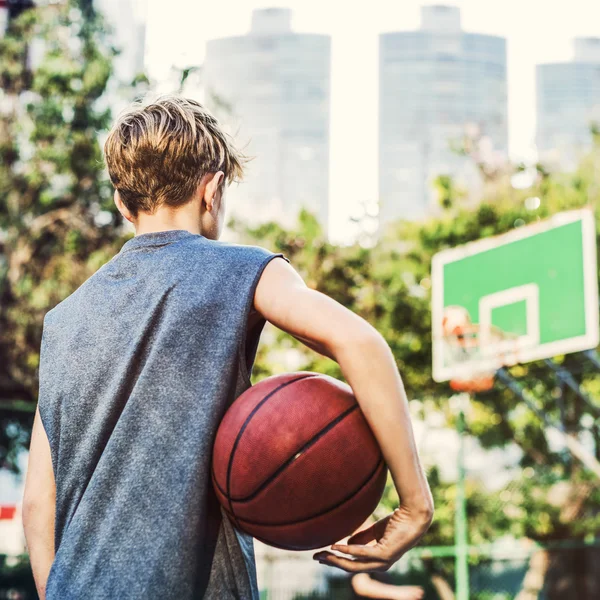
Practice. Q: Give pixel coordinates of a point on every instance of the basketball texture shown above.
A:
(295, 464)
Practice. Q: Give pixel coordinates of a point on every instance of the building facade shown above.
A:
(127, 18)
(271, 88)
(434, 84)
(568, 104)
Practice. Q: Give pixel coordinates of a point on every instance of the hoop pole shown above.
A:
(461, 565)
(567, 378)
(575, 448)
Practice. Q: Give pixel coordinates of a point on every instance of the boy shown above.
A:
(139, 364)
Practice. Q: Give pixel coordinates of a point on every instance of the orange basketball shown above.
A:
(295, 463)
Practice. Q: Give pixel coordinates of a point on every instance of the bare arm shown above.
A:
(39, 506)
(363, 585)
(369, 367)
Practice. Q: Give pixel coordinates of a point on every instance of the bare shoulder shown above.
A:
(278, 278)
(279, 292)
(278, 269)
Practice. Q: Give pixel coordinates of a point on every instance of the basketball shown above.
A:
(295, 463)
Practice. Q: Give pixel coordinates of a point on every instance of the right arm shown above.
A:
(368, 365)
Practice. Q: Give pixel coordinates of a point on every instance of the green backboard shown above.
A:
(526, 295)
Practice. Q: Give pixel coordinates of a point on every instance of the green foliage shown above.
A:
(447, 191)
(16, 578)
(52, 186)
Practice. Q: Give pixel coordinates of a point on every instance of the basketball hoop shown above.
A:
(471, 347)
(479, 383)
(466, 341)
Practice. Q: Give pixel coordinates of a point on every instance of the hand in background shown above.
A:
(367, 587)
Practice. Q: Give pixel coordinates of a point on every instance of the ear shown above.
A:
(214, 182)
(122, 208)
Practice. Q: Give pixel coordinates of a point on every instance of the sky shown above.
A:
(537, 31)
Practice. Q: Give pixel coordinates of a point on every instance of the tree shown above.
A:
(57, 218)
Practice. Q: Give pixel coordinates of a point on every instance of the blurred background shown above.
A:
(382, 133)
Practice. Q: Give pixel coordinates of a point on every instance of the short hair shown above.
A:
(158, 151)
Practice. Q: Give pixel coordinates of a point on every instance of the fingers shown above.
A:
(374, 552)
(353, 566)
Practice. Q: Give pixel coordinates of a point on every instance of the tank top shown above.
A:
(137, 367)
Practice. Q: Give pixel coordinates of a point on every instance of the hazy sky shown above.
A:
(536, 31)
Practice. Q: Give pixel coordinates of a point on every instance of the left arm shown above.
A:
(39, 506)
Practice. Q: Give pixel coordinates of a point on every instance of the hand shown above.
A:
(394, 535)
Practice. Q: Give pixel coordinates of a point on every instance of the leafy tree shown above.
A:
(57, 218)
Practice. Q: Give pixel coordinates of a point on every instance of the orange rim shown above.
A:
(482, 383)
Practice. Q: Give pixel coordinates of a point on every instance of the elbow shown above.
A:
(362, 338)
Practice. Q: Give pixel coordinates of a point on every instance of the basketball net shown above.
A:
(466, 340)
(467, 344)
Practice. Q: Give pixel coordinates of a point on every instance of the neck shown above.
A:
(167, 217)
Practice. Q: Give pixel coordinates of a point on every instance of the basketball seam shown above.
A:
(243, 428)
(290, 460)
(323, 512)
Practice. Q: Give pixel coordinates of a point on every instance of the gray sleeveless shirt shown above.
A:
(137, 368)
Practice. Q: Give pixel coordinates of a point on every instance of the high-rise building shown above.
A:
(568, 104)
(274, 84)
(434, 84)
(128, 20)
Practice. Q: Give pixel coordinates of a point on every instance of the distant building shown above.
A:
(433, 84)
(128, 20)
(271, 88)
(568, 103)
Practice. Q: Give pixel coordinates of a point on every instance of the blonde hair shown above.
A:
(158, 151)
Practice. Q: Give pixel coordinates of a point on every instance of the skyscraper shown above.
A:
(275, 83)
(433, 83)
(568, 103)
(128, 20)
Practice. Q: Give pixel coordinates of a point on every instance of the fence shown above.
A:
(519, 571)
(515, 571)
